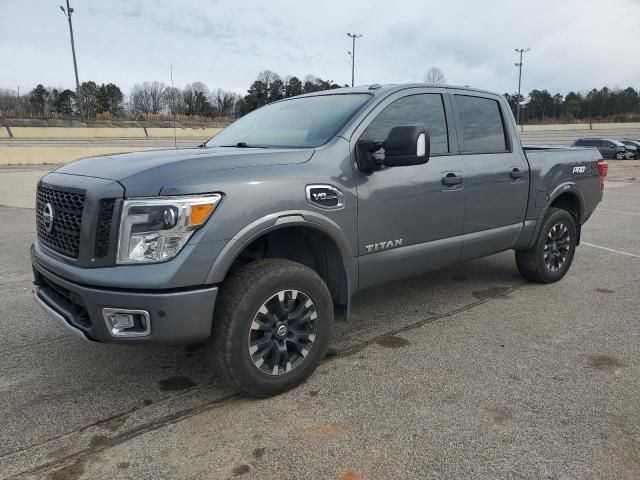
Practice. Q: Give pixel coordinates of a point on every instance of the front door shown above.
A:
(409, 221)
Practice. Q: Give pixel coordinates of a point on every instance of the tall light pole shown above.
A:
(519, 65)
(353, 56)
(68, 12)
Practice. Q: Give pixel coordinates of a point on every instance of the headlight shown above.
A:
(155, 229)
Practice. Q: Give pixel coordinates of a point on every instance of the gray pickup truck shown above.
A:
(254, 240)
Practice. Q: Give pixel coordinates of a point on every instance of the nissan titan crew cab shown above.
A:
(253, 240)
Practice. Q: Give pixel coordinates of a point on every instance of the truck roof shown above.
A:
(377, 89)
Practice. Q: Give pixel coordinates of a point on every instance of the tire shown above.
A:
(256, 304)
(620, 156)
(559, 235)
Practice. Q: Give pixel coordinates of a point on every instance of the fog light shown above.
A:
(127, 323)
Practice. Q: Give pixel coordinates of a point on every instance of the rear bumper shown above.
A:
(177, 317)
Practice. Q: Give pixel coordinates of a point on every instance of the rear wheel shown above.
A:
(272, 326)
(552, 254)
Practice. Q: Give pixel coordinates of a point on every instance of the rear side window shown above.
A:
(422, 109)
(482, 127)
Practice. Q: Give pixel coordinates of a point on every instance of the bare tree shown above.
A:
(223, 102)
(9, 102)
(173, 101)
(147, 97)
(195, 97)
(435, 76)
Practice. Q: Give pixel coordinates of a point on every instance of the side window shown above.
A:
(482, 127)
(421, 109)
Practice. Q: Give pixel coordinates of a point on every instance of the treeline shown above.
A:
(156, 100)
(598, 105)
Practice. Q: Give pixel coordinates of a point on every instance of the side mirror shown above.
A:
(405, 145)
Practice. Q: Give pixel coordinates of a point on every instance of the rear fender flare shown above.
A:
(565, 187)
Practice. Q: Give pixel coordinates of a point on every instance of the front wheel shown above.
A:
(620, 156)
(272, 326)
(551, 256)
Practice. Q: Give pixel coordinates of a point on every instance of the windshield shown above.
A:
(617, 143)
(299, 122)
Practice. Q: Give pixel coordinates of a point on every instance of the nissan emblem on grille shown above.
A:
(47, 217)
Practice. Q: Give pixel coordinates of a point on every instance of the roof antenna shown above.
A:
(173, 109)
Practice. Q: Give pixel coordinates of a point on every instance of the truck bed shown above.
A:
(553, 168)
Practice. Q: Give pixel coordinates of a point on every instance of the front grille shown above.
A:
(103, 230)
(64, 236)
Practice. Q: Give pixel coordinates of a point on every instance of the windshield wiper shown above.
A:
(242, 145)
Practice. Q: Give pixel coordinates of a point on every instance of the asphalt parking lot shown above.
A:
(469, 372)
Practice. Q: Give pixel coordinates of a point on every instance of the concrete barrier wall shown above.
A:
(32, 133)
(75, 132)
(541, 128)
(154, 132)
(580, 126)
(56, 156)
(206, 133)
(615, 126)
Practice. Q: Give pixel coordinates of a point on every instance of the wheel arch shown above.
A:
(303, 236)
(567, 197)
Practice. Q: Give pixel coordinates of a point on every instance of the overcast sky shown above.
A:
(575, 44)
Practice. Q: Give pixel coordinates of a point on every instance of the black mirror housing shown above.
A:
(405, 145)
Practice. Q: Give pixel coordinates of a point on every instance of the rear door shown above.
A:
(496, 173)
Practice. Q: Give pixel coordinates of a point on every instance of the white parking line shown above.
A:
(618, 211)
(610, 250)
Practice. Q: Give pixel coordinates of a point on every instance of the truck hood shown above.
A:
(145, 173)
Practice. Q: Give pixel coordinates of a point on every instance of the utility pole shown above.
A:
(519, 65)
(68, 12)
(353, 56)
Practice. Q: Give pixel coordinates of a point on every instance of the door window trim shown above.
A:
(505, 129)
(449, 117)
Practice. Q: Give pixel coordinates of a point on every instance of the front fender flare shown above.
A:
(275, 221)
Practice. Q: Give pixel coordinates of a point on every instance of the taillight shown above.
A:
(603, 169)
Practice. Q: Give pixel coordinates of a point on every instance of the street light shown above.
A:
(68, 12)
(519, 65)
(352, 53)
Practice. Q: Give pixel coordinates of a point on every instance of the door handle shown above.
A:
(517, 173)
(451, 179)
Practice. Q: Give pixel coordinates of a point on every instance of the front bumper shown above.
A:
(181, 316)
